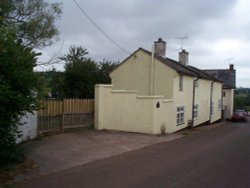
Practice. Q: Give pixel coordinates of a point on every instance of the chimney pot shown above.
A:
(183, 57)
(160, 47)
(231, 67)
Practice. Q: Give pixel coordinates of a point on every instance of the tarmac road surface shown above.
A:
(219, 157)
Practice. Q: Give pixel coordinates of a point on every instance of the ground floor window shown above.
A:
(180, 115)
(196, 106)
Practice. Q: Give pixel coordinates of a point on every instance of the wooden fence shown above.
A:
(57, 115)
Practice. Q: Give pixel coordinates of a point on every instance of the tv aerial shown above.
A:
(182, 39)
(229, 60)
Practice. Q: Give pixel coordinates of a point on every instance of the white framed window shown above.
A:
(181, 83)
(196, 106)
(212, 108)
(219, 104)
(180, 115)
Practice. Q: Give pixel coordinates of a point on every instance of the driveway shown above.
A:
(207, 159)
(59, 152)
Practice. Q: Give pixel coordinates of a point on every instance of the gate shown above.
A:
(57, 115)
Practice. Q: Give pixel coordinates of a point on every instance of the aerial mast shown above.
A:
(182, 39)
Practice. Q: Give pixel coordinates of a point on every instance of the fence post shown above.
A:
(62, 124)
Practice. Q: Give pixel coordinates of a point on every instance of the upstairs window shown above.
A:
(181, 83)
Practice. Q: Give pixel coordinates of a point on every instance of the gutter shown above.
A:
(193, 101)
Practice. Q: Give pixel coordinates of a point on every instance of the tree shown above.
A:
(53, 83)
(105, 67)
(19, 87)
(33, 21)
(80, 73)
(24, 25)
(76, 54)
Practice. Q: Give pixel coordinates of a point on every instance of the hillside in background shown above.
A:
(242, 98)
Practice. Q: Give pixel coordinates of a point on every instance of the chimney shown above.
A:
(231, 67)
(160, 47)
(183, 57)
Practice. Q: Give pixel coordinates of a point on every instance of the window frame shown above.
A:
(195, 112)
(180, 115)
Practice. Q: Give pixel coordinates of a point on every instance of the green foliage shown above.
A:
(53, 83)
(76, 54)
(19, 86)
(242, 98)
(80, 79)
(32, 20)
(24, 25)
(82, 73)
(105, 67)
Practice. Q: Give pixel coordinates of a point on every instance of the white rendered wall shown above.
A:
(28, 128)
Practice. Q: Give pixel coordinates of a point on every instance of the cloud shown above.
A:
(217, 30)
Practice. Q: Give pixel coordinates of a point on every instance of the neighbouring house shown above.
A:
(228, 78)
(153, 94)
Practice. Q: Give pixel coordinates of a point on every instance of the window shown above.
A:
(219, 104)
(195, 111)
(180, 115)
(224, 93)
(212, 108)
(181, 83)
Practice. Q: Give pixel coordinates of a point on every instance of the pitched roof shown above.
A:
(227, 76)
(177, 66)
(183, 69)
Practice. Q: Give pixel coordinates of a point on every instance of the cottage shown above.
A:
(153, 94)
(228, 78)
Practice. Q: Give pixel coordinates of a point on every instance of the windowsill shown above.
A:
(180, 124)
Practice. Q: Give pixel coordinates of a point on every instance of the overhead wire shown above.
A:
(100, 29)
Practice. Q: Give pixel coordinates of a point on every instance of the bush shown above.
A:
(18, 89)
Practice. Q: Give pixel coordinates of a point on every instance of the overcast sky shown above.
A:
(217, 30)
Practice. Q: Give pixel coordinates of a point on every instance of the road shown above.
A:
(218, 157)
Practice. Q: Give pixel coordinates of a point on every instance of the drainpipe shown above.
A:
(222, 104)
(193, 101)
(211, 99)
(152, 71)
